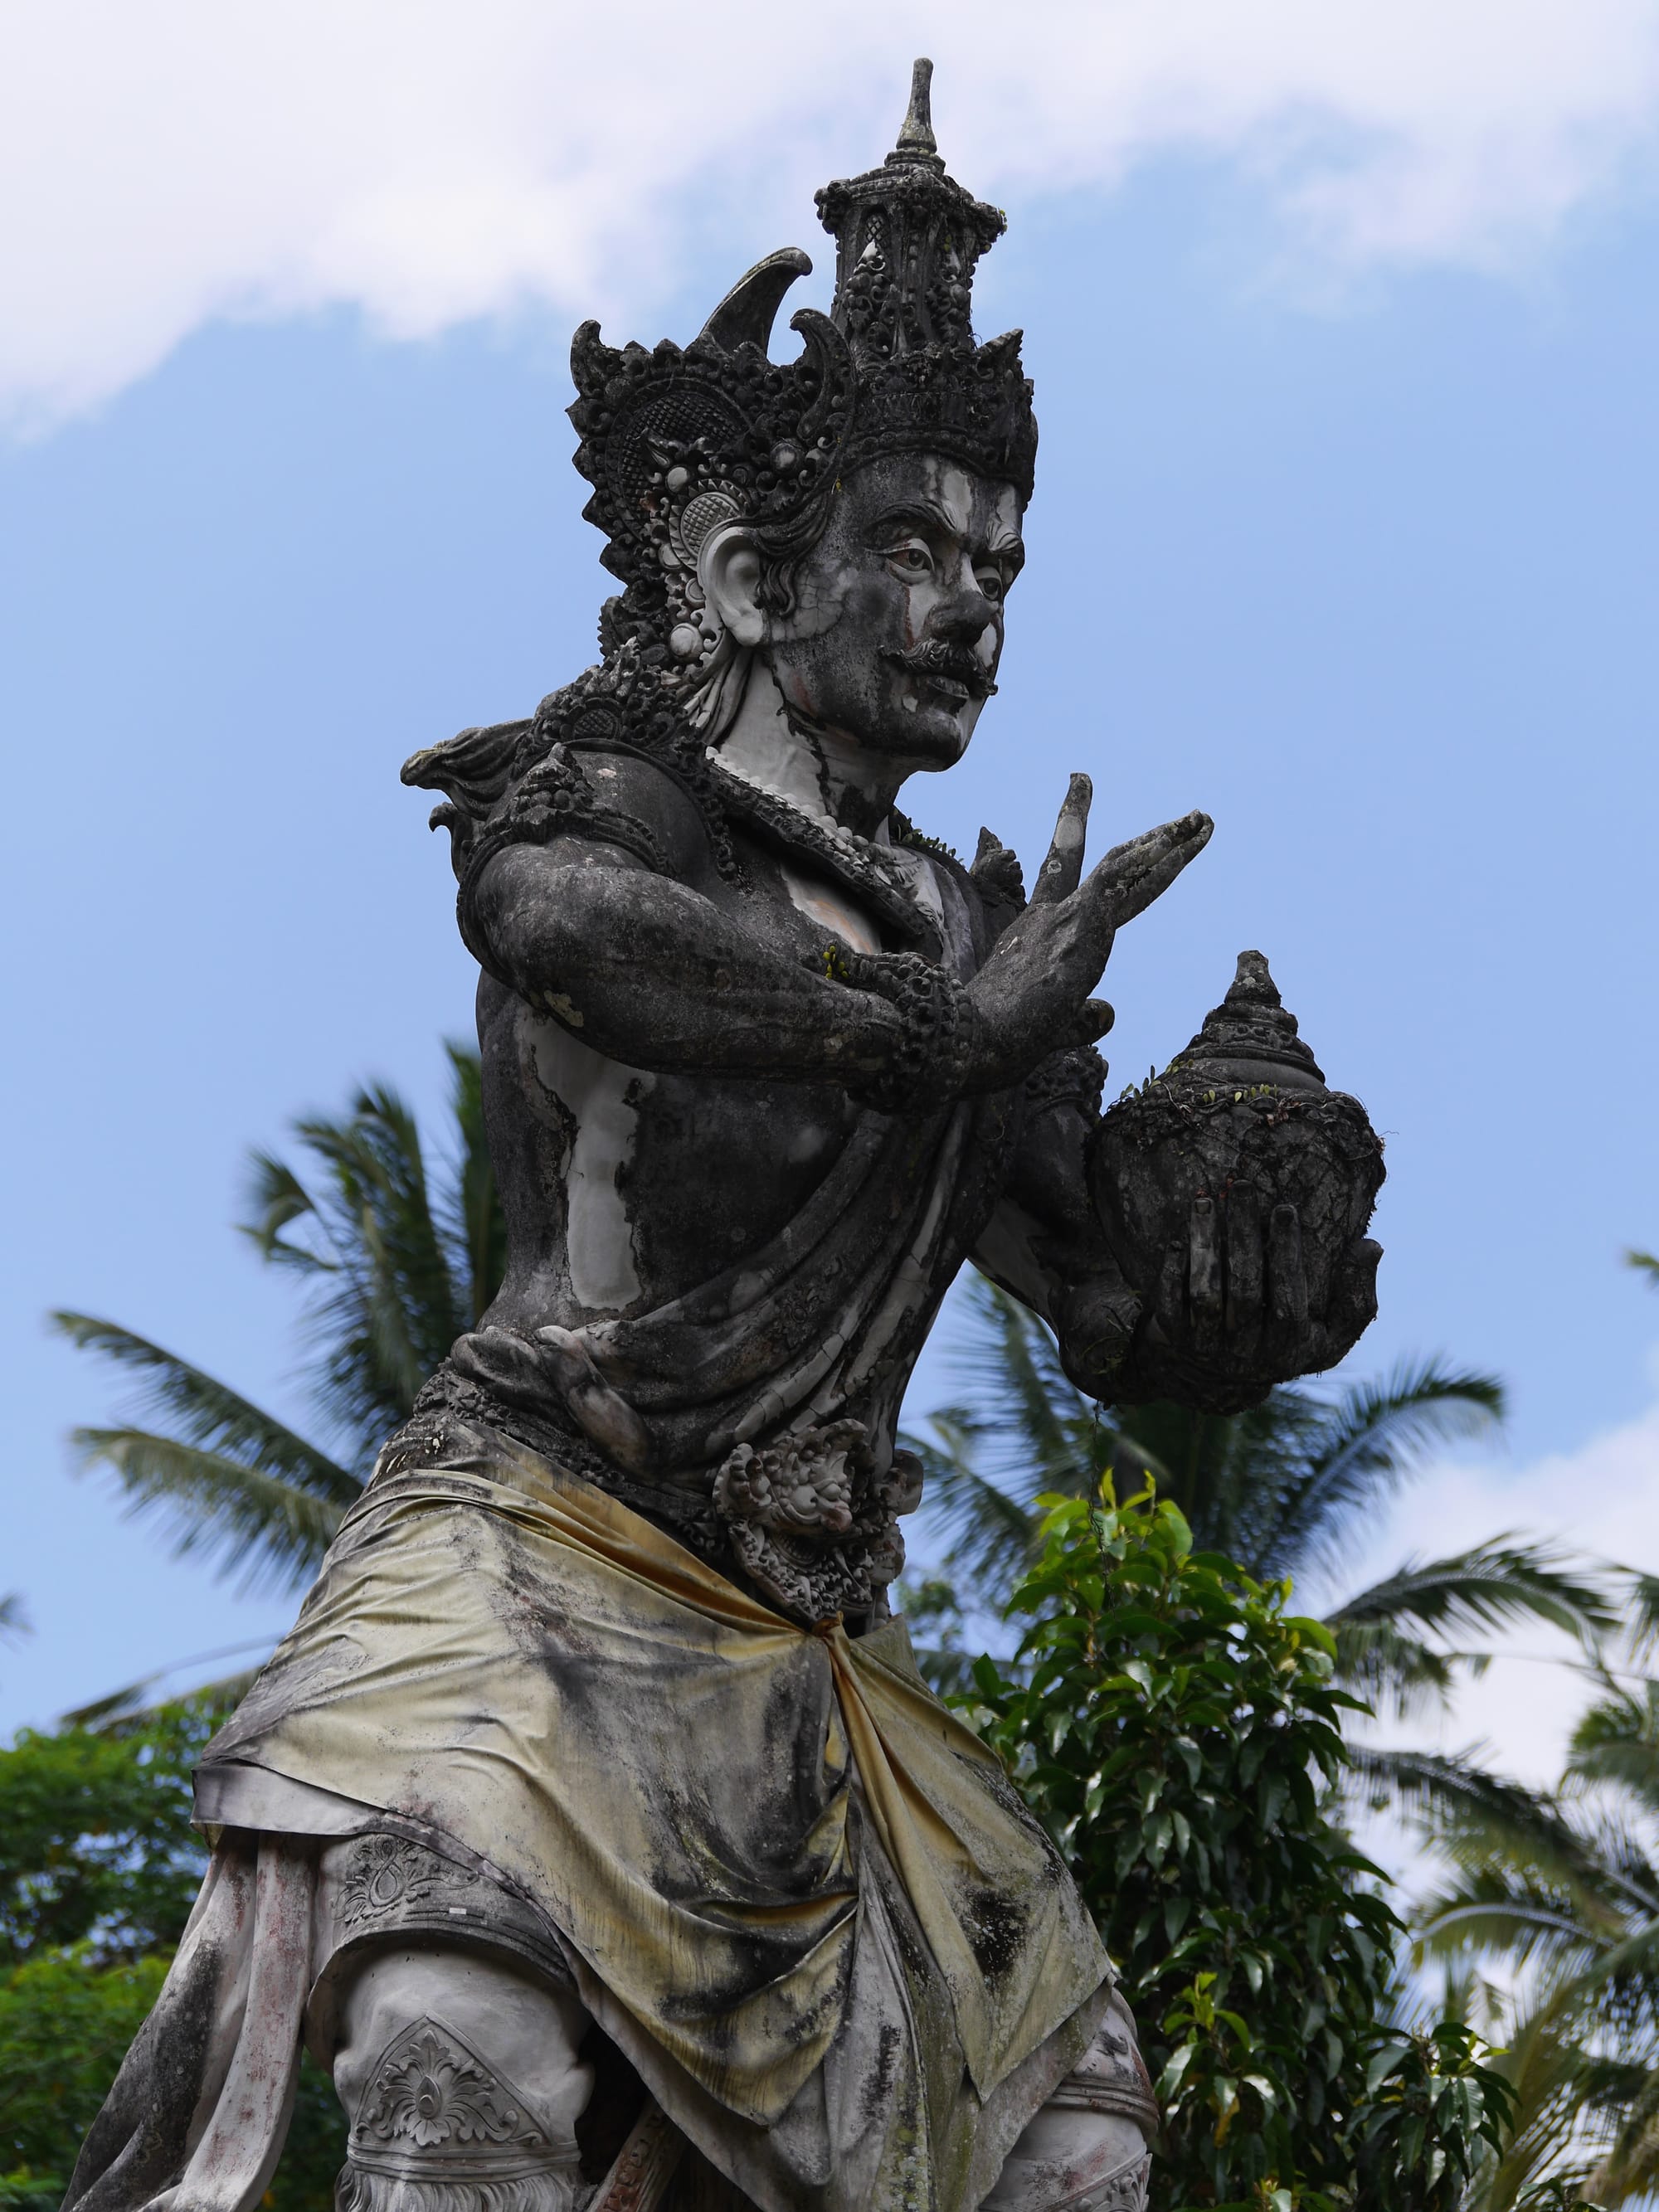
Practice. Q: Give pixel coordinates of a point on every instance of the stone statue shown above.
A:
(593, 1826)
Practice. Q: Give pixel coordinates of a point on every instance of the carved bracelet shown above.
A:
(930, 1066)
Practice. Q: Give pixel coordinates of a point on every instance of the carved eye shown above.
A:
(912, 558)
(989, 582)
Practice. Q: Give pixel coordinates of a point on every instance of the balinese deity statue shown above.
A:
(593, 1826)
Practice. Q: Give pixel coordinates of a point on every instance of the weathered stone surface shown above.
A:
(1237, 1186)
(596, 1745)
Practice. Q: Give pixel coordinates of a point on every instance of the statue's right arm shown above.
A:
(628, 953)
(645, 970)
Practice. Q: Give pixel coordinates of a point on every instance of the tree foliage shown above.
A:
(1277, 1489)
(1178, 1728)
(98, 1866)
(1281, 1489)
(96, 1848)
(65, 2023)
(1563, 1889)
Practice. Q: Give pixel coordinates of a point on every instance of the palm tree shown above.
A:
(1548, 1927)
(1562, 1891)
(1279, 1489)
(396, 1260)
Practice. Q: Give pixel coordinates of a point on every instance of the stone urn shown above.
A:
(1242, 1118)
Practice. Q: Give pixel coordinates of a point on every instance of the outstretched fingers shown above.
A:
(1131, 876)
(1061, 873)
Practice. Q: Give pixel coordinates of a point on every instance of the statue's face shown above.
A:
(897, 627)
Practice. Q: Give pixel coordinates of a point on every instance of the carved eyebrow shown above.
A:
(926, 512)
(931, 515)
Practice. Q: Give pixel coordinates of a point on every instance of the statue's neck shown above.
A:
(816, 770)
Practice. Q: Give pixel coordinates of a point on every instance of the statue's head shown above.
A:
(893, 626)
(850, 519)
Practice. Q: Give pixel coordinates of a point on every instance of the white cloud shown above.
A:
(1600, 1500)
(164, 163)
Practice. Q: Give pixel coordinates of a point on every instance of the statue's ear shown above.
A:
(729, 570)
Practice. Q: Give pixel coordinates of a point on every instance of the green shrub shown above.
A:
(1178, 1730)
(65, 2023)
(99, 1868)
(97, 1845)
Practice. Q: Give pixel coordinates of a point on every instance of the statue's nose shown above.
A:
(963, 618)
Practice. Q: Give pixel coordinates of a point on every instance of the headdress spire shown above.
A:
(916, 142)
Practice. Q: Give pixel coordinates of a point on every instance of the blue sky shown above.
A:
(1349, 542)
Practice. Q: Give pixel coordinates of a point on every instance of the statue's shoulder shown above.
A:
(588, 765)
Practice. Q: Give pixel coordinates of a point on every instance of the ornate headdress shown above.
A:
(676, 441)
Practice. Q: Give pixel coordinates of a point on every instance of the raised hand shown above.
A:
(1033, 993)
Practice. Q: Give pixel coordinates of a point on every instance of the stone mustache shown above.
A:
(593, 1826)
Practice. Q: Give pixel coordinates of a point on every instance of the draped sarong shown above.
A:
(800, 1895)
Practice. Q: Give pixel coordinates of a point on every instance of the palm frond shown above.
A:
(1217, 1468)
(1524, 1926)
(1616, 1741)
(265, 1529)
(1646, 1263)
(1042, 1426)
(987, 1534)
(119, 1712)
(1555, 2078)
(1641, 1615)
(395, 1265)
(277, 1199)
(1382, 1633)
(397, 1306)
(1509, 1843)
(1629, 2172)
(14, 1621)
(1365, 1443)
(1390, 1669)
(1493, 1585)
(1457, 1800)
(932, 1612)
(207, 1415)
(474, 1219)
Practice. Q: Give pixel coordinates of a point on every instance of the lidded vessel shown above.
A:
(1242, 1117)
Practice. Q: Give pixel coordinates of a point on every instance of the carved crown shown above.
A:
(675, 440)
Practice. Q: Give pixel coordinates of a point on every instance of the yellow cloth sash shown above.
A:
(498, 1649)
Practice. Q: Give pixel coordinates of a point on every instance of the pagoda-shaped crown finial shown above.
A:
(908, 238)
(916, 142)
